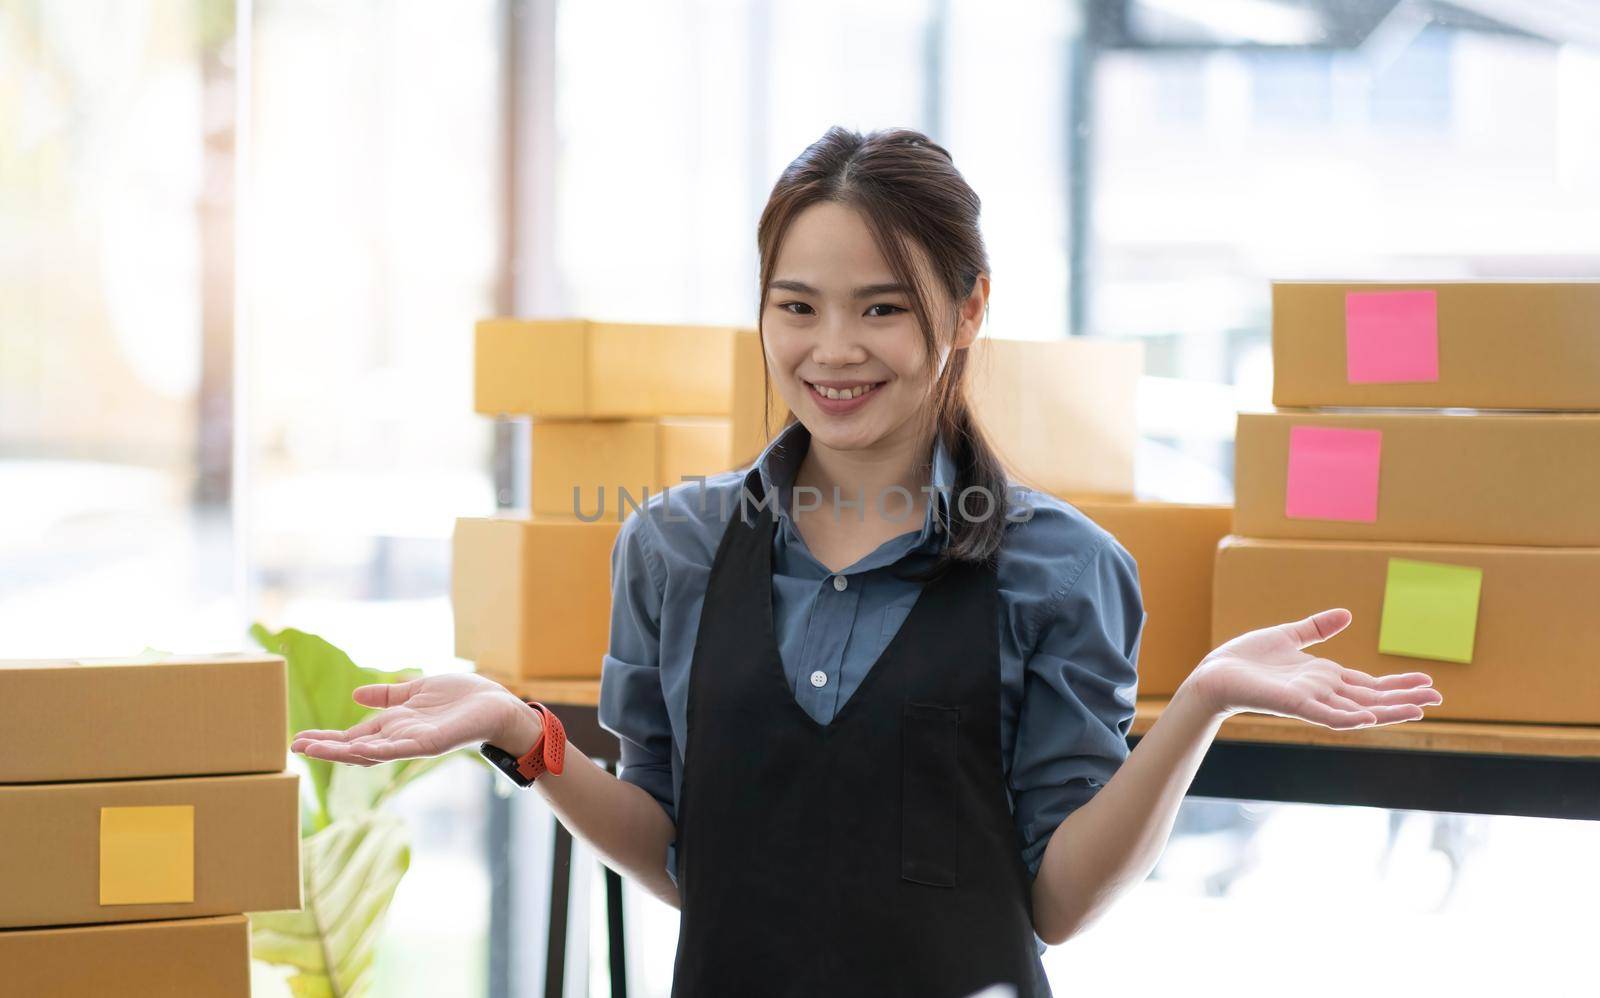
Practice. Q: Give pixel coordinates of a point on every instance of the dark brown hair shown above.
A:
(908, 191)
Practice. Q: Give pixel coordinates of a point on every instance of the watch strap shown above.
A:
(548, 754)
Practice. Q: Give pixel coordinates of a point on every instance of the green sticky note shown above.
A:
(1430, 610)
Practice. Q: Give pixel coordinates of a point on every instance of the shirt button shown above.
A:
(838, 583)
(819, 679)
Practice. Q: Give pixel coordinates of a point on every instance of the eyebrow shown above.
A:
(865, 291)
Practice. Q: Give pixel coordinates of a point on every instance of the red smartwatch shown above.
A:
(547, 754)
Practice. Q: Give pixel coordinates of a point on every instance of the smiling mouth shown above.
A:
(840, 395)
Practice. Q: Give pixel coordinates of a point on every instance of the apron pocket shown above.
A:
(928, 775)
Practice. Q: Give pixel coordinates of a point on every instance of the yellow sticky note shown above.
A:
(147, 854)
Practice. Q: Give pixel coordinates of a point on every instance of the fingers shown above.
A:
(385, 694)
(336, 752)
(325, 734)
(1342, 713)
(1396, 713)
(1319, 626)
(1343, 702)
(370, 750)
(322, 747)
(382, 695)
(366, 727)
(389, 749)
(1395, 681)
(1330, 716)
(1422, 696)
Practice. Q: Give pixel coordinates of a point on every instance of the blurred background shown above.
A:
(243, 244)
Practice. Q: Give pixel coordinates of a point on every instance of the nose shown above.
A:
(837, 344)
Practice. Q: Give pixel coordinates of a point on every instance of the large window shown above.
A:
(112, 535)
(241, 264)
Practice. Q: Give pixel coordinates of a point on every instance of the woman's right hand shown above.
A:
(426, 717)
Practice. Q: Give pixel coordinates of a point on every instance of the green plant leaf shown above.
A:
(350, 871)
(321, 679)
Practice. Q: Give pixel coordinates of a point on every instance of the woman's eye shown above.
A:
(801, 308)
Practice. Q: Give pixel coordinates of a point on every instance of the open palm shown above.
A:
(1268, 671)
(423, 717)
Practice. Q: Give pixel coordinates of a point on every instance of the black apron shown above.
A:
(875, 855)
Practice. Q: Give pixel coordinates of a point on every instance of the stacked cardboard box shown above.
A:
(151, 794)
(1174, 545)
(1466, 543)
(629, 405)
(618, 412)
(1062, 414)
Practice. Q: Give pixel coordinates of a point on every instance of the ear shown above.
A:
(969, 313)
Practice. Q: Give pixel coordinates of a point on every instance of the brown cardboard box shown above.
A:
(1060, 412)
(131, 850)
(101, 719)
(1534, 654)
(576, 369)
(532, 594)
(199, 957)
(1501, 345)
(602, 458)
(1528, 478)
(1175, 547)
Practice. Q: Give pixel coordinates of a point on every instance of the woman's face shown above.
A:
(835, 318)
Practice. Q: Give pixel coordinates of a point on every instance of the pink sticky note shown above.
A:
(1333, 474)
(1391, 336)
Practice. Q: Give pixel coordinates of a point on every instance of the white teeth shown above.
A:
(849, 393)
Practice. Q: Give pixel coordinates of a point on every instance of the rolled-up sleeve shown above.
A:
(632, 704)
(1079, 686)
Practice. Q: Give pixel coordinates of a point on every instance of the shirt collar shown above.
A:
(780, 460)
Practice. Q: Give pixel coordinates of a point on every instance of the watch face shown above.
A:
(505, 762)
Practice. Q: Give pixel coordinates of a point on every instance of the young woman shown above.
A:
(872, 694)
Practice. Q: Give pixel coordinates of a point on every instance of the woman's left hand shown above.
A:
(1267, 671)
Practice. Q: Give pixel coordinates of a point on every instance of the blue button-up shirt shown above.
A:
(1070, 622)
